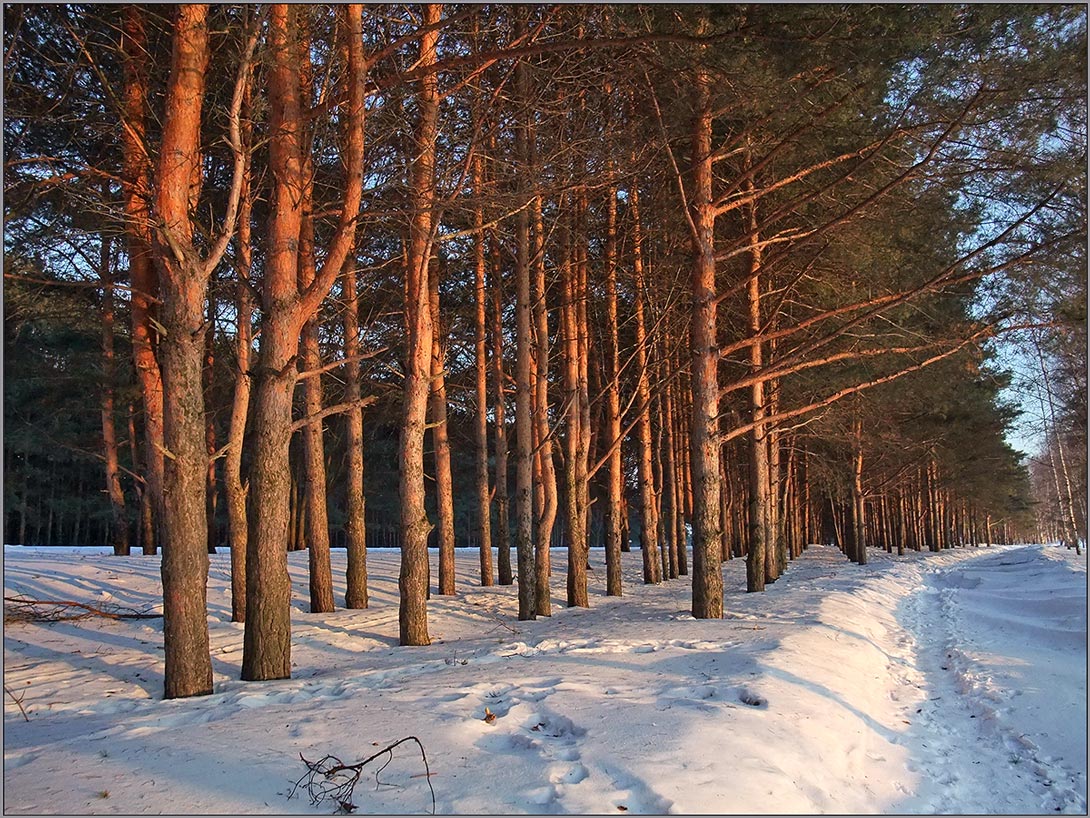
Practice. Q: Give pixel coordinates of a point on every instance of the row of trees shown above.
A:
(736, 271)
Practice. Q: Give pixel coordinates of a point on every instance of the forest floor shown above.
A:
(952, 682)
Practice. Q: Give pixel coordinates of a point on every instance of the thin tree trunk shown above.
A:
(444, 485)
(356, 595)
(503, 524)
(142, 273)
(543, 445)
(480, 264)
(615, 475)
(109, 429)
(234, 486)
(760, 548)
(649, 543)
(524, 385)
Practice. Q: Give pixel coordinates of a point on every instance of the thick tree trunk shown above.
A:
(419, 334)
(707, 577)
(184, 565)
(267, 642)
(109, 428)
(142, 274)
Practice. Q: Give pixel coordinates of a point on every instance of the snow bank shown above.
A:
(816, 696)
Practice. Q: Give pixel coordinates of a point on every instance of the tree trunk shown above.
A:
(142, 274)
(543, 445)
(234, 487)
(356, 521)
(859, 532)
(649, 543)
(314, 473)
(484, 505)
(760, 548)
(707, 576)
(184, 565)
(444, 488)
(503, 524)
(109, 429)
(267, 642)
(419, 334)
(615, 475)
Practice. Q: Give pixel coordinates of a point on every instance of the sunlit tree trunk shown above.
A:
(437, 404)
(543, 445)
(614, 476)
(142, 274)
(480, 265)
(184, 288)
(419, 337)
(649, 543)
(707, 577)
(503, 524)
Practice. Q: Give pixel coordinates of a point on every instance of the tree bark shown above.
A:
(444, 486)
(480, 265)
(419, 334)
(615, 475)
(234, 487)
(142, 274)
(543, 444)
(649, 543)
(314, 472)
(503, 524)
(184, 565)
(107, 402)
(707, 577)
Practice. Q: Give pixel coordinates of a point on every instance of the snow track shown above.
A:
(950, 682)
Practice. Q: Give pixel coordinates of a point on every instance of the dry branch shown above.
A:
(26, 609)
(329, 778)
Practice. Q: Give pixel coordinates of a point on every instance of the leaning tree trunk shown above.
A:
(419, 337)
(707, 576)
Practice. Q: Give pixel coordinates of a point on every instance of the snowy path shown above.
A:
(1001, 639)
(951, 682)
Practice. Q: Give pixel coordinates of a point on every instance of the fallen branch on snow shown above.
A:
(331, 779)
(26, 609)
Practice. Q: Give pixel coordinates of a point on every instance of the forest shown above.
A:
(707, 282)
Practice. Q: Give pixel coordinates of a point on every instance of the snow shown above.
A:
(951, 682)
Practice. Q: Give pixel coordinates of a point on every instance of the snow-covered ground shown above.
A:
(951, 682)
